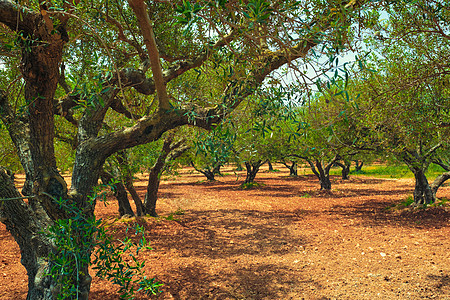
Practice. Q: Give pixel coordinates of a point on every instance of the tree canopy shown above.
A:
(106, 76)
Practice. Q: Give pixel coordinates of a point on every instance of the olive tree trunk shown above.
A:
(252, 169)
(322, 173)
(127, 175)
(119, 192)
(439, 181)
(418, 161)
(423, 193)
(292, 168)
(210, 173)
(170, 151)
(26, 226)
(42, 39)
(345, 169)
(358, 165)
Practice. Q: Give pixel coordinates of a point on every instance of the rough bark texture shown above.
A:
(345, 169)
(418, 161)
(42, 39)
(209, 173)
(292, 168)
(252, 169)
(120, 193)
(423, 194)
(124, 165)
(437, 183)
(19, 132)
(323, 173)
(170, 151)
(26, 226)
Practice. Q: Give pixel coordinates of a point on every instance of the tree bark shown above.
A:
(323, 174)
(418, 161)
(252, 169)
(127, 175)
(169, 152)
(209, 173)
(437, 183)
(120, 193)
(358, 165)
(423, 193)
(42, 50)
(292, 168)
(26, 226)
(345, 169)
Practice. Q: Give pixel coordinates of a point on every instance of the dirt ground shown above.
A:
(282, 240)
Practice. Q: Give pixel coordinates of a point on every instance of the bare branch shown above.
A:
(140, 9)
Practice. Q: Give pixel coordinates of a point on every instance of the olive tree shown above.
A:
(92, 62)
(404, 100)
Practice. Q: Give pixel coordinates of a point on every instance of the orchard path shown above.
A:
(281, 240)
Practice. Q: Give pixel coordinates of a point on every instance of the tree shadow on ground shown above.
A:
(349, 192)
(310, 187)
(212, 233)
(442, 282)
(141, 190)
(246, 239)
(254, 281)
(381, 213)
(361, 180)
(278, 188)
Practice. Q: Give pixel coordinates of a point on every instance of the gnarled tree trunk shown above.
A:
(292, 168)
(169, 152)
(358, 165)
(418, 161)
(437, 183)
(345, 169)
(26, 226)
(323, 173)
(423, 193)
(119, 192)
(210, 174)
(252, 169)
(128, 180)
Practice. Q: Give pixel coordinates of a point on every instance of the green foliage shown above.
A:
(408, 201)
(178, 212)
(8, 156)
(214, 148)
(258, 12)
(90, 93)
(79, 236)
(251, 185)
(443, 202)
(398, 171)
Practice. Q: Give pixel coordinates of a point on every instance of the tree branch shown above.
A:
(140, 10)
(17, 17)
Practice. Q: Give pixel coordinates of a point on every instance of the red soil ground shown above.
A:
(282, 240)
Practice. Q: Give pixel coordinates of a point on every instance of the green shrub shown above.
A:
(251, 185)
(77, 237)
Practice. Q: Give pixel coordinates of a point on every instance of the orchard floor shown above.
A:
(282, 240)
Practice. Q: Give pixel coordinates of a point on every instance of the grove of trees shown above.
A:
(95, 79)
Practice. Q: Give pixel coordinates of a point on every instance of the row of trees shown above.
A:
(101, 78)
